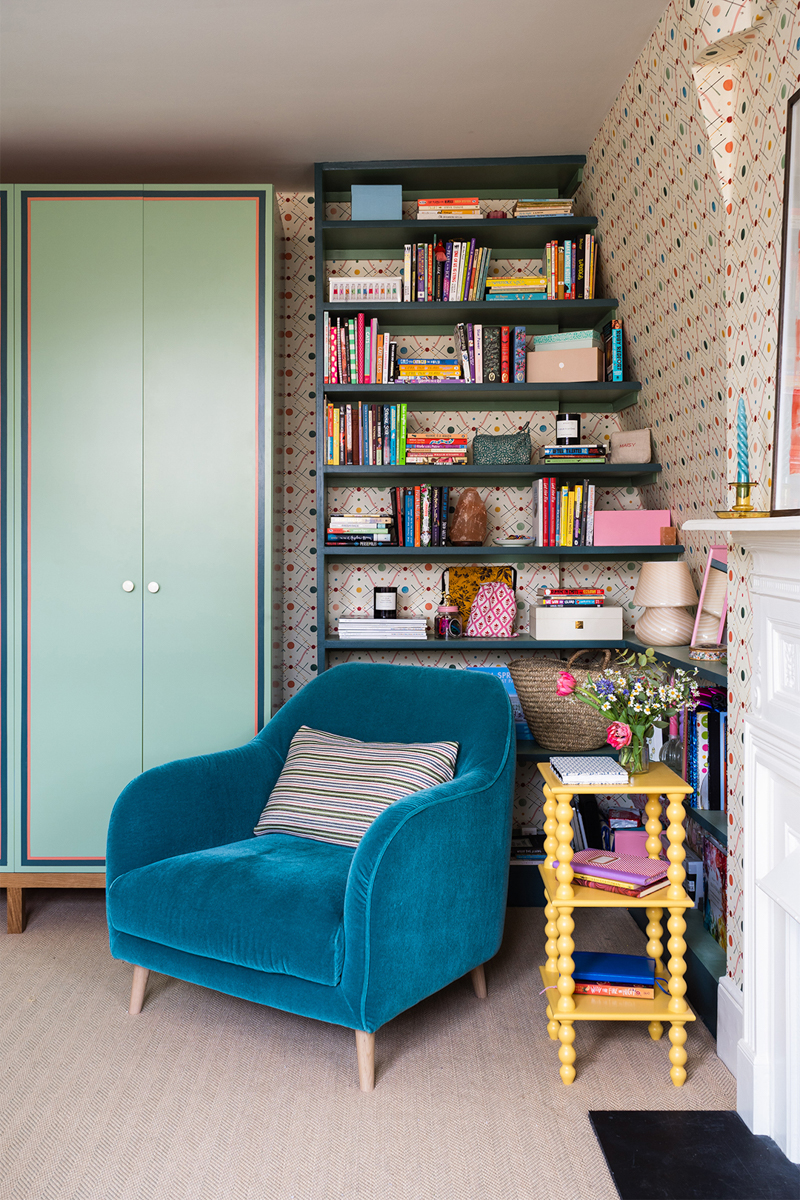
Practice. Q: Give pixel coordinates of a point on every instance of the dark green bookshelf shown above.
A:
(477, 397)
(607, 474)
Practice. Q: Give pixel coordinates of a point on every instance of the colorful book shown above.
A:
(505, 353)
(625, 868)
(629, 991)
(597, 966)
(520, 359)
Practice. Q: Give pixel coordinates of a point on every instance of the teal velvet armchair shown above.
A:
(350, 936)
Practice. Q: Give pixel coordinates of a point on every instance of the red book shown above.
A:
(505, 361)
(360, 347)
(631, 991)
(429, 260)
(605, 885)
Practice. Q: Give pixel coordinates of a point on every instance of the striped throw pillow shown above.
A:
(332, 788)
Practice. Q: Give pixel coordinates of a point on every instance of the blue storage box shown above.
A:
(377, 202)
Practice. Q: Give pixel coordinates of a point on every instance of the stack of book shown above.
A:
(528, 847)
(570, 597)
(571, 269)
(589, 770)
(554, 207)
(624, 874)
(591, 453)
(420, 515)
(441, 451)
(365, 289)
(392, 629)
(517, 287)
(445, 271)
(360, 529)
(491, 353)
(361, 434)
(449, 208)
(428, 370)
(631, 976)
(563, 516)
(355, 352)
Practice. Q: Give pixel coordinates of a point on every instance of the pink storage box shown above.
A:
(584, 365)
(630, 526)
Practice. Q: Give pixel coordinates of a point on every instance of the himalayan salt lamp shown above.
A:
(468, 526)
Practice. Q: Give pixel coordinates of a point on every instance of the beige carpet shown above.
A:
(204, 1097)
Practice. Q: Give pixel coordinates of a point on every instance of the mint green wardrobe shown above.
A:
(140, 531)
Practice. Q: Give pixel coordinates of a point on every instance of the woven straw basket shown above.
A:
(559, 722)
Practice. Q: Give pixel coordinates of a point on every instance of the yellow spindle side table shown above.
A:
(563, 898)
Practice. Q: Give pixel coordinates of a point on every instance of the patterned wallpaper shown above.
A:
(686, 178)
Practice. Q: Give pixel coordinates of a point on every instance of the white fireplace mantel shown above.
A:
(768, 1059)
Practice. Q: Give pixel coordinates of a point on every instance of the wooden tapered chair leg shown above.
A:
(16, 909)
(479, 981)
(137, 991)
(365, 1049)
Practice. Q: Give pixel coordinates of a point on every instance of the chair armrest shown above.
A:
(191, 804)
(426, 894)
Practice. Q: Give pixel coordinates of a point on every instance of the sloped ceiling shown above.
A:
(239, 90)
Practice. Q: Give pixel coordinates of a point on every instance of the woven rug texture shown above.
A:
(207, 1097)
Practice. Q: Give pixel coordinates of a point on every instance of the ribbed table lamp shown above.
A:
(664, 589)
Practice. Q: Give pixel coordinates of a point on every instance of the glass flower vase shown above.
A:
(635, 758)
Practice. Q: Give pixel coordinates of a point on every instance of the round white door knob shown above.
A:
(128, 585)
(152, 587)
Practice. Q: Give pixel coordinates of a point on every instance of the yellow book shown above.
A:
(570, 516)
(560, 276)
(562, 541)
(518, 282)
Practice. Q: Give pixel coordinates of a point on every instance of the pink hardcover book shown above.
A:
(630, 526)
(360, 347)
(629, 868)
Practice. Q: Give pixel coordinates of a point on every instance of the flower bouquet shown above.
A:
(639, 694)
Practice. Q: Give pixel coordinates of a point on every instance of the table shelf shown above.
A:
(613, 1008)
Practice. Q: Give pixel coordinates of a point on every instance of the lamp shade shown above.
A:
(716, 589)
(665, 585)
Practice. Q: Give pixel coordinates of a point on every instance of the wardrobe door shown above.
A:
(79, 528)
(204, 436)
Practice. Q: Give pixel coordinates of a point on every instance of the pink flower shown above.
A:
(618, 735)
(566, 684)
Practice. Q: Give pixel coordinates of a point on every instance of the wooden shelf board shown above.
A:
(678, 656)
(519, 476)
(477, 397)
(713, 820)
(613, 1008)
(594, 898)
(464, 176)
(521, 641)
(500, 553)
(514, 234)
(566, 314)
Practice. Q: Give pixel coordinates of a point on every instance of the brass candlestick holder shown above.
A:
(744, 505)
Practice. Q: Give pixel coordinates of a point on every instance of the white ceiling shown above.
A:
(258, 90)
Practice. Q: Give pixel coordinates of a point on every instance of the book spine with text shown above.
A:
(505, 355)
(360, 347)
(478, 334)
(631, 991)
(407, 271)
(491, 353)
(519, 354)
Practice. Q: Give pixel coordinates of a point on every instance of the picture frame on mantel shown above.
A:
(785, 499)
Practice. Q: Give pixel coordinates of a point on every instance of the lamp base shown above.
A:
(665, 627)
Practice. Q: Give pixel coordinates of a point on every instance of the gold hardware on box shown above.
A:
(579, 624)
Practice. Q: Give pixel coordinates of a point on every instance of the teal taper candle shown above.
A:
(743, 463)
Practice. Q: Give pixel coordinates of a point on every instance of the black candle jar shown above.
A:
(384, 602)
(568, 429)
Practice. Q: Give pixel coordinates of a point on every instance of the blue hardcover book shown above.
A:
(520, 360)
(517, 296)
(443, 530)
(504, 675)
(409, 522)
(595, 966)
(366, 449)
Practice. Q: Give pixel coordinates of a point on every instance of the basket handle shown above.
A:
(579, 653)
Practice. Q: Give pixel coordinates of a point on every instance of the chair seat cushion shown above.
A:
(272, 903)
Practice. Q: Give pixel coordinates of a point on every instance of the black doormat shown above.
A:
(692, 1156)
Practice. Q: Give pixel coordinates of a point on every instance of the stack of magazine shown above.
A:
(591, 770)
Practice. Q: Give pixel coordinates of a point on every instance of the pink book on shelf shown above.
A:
(360, 347)
(630, 526)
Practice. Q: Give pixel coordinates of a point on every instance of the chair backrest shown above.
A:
(382, 702)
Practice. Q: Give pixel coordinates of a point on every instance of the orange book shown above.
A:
(631, 991)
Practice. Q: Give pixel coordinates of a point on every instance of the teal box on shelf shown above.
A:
(377, 202)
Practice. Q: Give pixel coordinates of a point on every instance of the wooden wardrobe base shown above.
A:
(16, 883)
